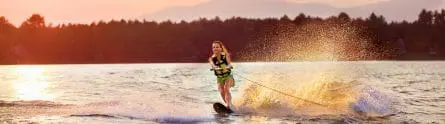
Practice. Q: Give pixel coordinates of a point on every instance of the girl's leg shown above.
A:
(227, 84)
(222, 91)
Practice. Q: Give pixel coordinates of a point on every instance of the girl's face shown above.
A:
(216, 48)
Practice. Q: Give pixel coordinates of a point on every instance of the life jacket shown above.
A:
(222, 64)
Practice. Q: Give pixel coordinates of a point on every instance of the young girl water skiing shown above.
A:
(222, 64)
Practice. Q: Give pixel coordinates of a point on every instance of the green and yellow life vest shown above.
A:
(222, 64)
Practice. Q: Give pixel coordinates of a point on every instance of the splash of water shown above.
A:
(372, 102)
(320, 97)
(314, 98)
(315, 41)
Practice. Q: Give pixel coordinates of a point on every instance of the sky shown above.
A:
(88, 11)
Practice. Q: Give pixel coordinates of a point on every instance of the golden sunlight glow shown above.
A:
(324, 56)
(31, 83)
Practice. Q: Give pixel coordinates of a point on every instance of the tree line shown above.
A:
(286, 38)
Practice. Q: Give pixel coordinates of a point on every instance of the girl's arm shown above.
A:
(211, 63)
(229, 60)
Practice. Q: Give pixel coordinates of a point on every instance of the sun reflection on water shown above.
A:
(31, 83)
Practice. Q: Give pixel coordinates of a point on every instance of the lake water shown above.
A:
(288, 92)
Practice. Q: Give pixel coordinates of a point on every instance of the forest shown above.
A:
(301, 38)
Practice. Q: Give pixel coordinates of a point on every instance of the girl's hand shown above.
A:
(214, 66)
(229, 66)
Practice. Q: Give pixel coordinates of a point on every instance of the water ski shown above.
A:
(221, 109)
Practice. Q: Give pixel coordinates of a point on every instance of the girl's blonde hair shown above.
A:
(224, 49)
